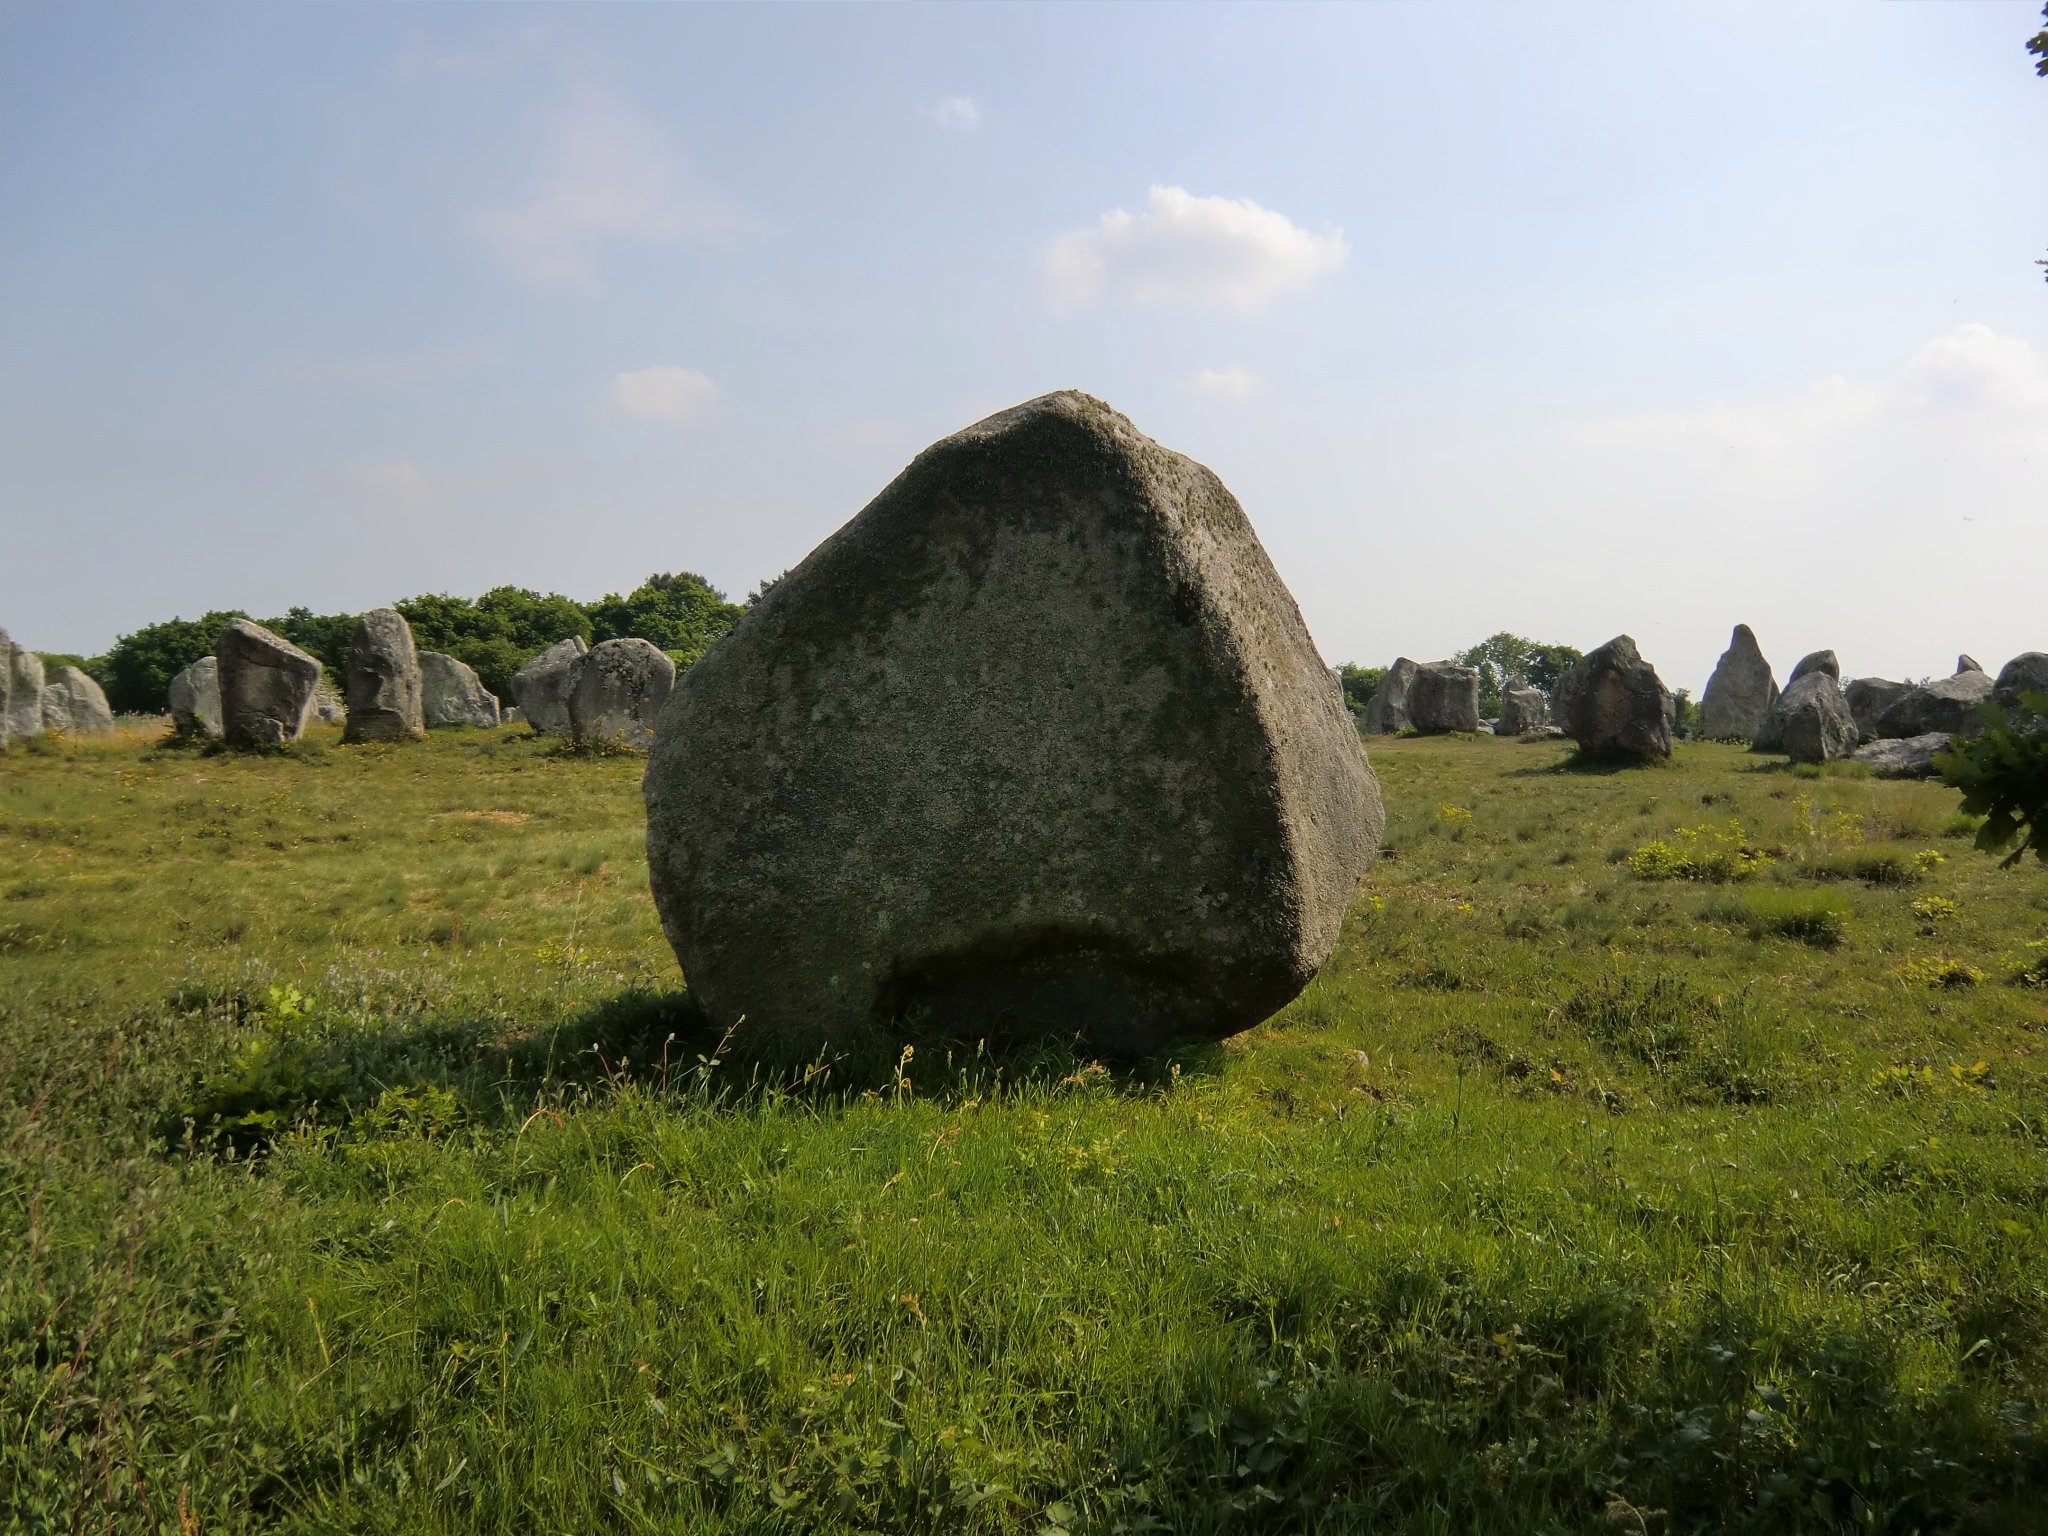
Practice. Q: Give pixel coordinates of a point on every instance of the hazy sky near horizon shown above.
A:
(1563, 319)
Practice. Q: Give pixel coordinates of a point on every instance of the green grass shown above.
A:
(363, 1167)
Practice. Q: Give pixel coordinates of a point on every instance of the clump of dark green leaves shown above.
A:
(2003, 775)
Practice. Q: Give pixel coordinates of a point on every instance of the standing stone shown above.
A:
(1522, 710)
(2025, 673)
(266, 686)
(542, 687)
(1387, 710)
(1816, 661)
(452, 694)
(194, 699)
(1037, 745)
(383, 680)
(1948, 705)
(1615, 706)
(1966, 663)
(513, 716)
(1740, 693)
(24, 706)
(1813, 720)
(74, 704)
(329, 708)
(1444, 696)
(619, 692)
(1869, 698)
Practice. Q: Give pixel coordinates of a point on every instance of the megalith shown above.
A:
(1948, 705)
(74, 704)
(1523, 709)
(542, 687)
(1740, 693)
(194, 699)
(1036, 746)
(1813, 720)
(452, 694)
(1386, 712)
(1816, 661)
(619, 692)
(2025, 673)
(1869, 698)
(1444, 696)
(1615, 706)
(1903, 757)
(24, 695)
(1966, 663)
(266, 685)
(383, 680)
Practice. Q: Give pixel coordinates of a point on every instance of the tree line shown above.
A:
(497, 633)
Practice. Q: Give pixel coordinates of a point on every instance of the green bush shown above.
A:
(2003, 775)
(1698, 853)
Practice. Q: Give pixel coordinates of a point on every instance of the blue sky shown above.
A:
(1565, 319)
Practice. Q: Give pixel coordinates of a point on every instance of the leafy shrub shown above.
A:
(1699, 853)
(2003, 775)
(1938, 971)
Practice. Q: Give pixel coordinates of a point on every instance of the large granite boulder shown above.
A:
(266, 686)
(1966, 663)
(1869, 698)
(542, 687)
(74, 704)
(1813, 723)
(1443, 696)
(25, 684)
(1523, 710)
(1740, 693)
(1615, 706)
(194, 699)
(1386, 712)
(1903, 757)
(1948, 705)
(2025, 673)
(1036, 746)
(619, 692)
(452, 694)
(383, 680)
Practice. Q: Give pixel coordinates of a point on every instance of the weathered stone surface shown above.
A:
(1816, 661)
(266, 685)
(1947, 705)
(1740, 693)
(1522, 709)
(1813, 720)
(1443, 696)
(383, 680)
(74, 704)
(329, 708)
(1869, 698)
(2025, 673)
(1966, 663)
(1036, 745)
(513, 715)
(1387, 710)
(23, 711)
(1904, 757)
(194, 699)
(620, 690)
(452, 694)
(544, 684)
(1614, 704)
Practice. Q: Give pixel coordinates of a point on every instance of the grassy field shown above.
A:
(1662, 1151)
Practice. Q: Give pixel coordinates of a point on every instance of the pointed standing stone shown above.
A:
(1740, 693)
(544, 684)
(194, 699)
(266, 686)
(620, 690)
(383, 680)
(1615, 706)
(1386, 712)
(452, 694)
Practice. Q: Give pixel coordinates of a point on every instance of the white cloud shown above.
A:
(955, 114)
(1974, 368)
(1222, 383)
(395, 484)
(608, 174)
(663, 394)
(1189, 252)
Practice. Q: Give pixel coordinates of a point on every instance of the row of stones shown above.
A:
(1439, 696)
(36, 699)
(258, 689)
